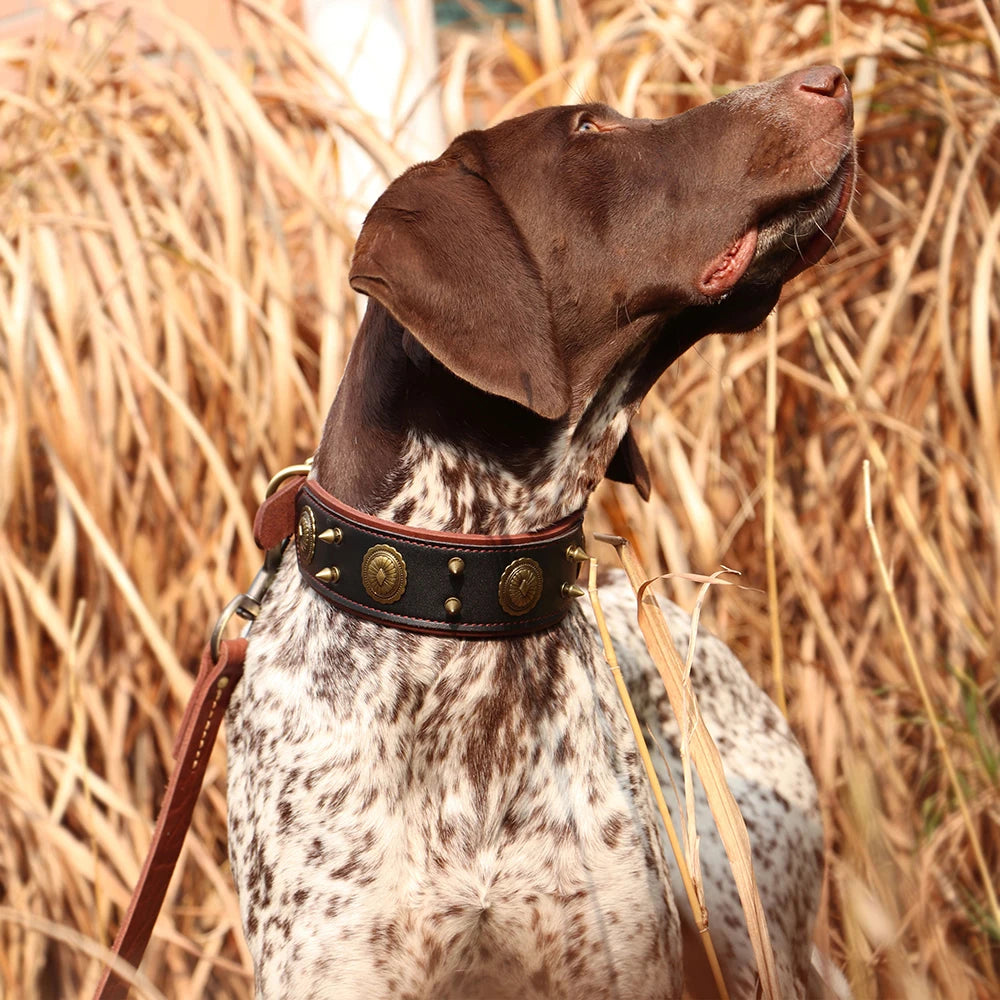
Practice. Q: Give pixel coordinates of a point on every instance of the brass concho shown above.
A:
(305, 535)
(520, 586)
(383, 572)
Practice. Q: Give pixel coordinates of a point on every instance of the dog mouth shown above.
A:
(798, 238)
(787, 241)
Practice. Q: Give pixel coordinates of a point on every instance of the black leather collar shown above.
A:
(432, 581)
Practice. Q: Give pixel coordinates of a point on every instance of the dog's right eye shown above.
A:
(586, 125)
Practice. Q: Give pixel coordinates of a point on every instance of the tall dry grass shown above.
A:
(173, 317)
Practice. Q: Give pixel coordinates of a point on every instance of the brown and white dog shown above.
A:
(419, 816)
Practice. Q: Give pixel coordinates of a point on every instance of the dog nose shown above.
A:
(826, 81)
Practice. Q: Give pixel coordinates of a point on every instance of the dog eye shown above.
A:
(586, 125)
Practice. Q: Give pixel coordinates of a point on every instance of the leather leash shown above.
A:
(471, 585)
(199, 727)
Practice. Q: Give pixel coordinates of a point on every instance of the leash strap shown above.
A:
(192, 750)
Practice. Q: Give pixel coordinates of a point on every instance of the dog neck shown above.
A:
(407, 441)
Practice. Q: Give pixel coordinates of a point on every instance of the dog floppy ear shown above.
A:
(628, 466)
(441, 253)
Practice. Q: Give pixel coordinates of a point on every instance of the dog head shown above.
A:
(573, 252)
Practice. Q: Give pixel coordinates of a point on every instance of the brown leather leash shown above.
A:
(470, 586)
(199, 727)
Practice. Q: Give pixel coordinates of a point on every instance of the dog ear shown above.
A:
(628, 466)
(442, 254)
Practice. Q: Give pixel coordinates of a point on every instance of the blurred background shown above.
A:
(180, 186)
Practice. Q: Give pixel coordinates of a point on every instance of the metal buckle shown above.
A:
(247, 605)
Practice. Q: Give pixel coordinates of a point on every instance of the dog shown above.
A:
(419, 814)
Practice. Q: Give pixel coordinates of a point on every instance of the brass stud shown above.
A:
(305, 535)
(383, 573)
(334, 535)
(453, 605)
(572, 590)
(456, 566)
(520, 586)
(574, 553)
(222, 682)
(329, 574)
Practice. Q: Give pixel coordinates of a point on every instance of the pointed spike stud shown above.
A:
(453, 606)
(456, 566)
(333, 535)
(329, 574)
(572, 590)
(574, 554)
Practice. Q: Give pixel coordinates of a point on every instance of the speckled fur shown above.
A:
(458, 491)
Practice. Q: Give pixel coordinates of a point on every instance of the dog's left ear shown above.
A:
(628, 466)
(442, 254)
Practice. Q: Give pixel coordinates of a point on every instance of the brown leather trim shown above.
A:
(192, 751)
(449, 538)
(275, 521)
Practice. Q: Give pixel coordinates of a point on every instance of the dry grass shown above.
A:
(173, 316)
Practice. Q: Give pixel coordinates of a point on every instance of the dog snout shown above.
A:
(823, 89)
(826, 81)
(818, 114)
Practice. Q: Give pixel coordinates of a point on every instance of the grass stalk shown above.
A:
(695, 899)
(707, 761)
(774, 612)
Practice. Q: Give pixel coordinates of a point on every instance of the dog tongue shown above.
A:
(729, 266)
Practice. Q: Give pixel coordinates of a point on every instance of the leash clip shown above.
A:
(247, 605)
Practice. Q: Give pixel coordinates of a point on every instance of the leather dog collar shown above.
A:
(435, 582)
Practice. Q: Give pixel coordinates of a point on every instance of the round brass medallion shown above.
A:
(520, 586)
(383, 573)
(305, 535)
